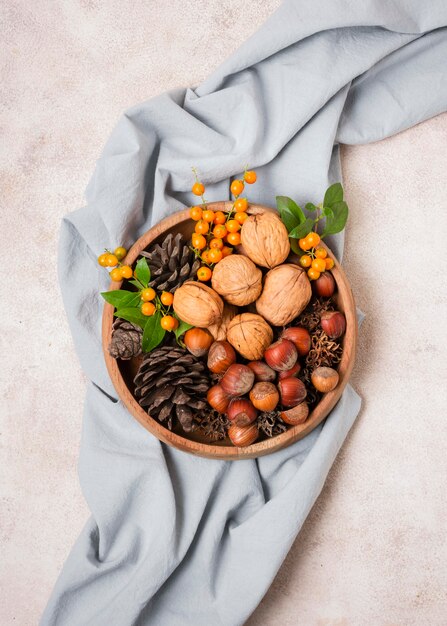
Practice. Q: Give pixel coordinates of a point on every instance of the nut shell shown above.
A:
(237, 279)
(324, 379)
(220, 356)
(198, 304)
(265, 239)
(285, 295)
(242, 436)
(198, 341)
(250, 335)
(237, 380)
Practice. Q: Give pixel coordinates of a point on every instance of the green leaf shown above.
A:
(303, 229)
(136, 283)
(335, 223)
(295, 247)
(328, 212)
(181, 330)
(132, 314)
(310, 208)
(120, 298)
(333, 194)
(289, 220)
(142, 271)
(153, 333)
(285, 204)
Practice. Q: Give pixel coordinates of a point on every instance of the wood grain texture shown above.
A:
(122, 373)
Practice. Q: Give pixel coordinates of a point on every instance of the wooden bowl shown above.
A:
(122, 372)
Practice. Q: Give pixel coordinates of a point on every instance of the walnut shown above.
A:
(250, 335)
(265, 239)
(198, 304)
(237, 279)
(219, 331)
(286, 293)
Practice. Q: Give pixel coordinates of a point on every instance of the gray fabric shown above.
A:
(174, 539)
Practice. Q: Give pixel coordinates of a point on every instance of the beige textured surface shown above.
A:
(373, 551)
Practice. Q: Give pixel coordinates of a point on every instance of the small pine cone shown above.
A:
(172, 383)
(172, 263)
(126, 340)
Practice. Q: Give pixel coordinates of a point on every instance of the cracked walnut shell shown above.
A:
(198, 304)
(265, 239)
(237, 279)
(286, 294)
(250, 335)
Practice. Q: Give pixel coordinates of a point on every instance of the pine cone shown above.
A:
(172, 383)
(172, 263)
(126, 340)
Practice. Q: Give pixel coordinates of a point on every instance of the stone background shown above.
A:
(373, 551)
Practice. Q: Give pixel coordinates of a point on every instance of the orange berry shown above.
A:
(216, 243)
(305, 260)
(198, 189)
(233, 226)
(240, 204)
(320, 253)
(126, 271)
(219, 217)
(208, 215)
(240, 217)
(148, 294)
(195, 213)
(120, 253)
(102, 259)
(202, 227)
(115, 274)
(313, 273)
(205, 254)
(204, 273)
(329, 263)
(303, 244)
(198, 242)
(219, 231)
(215, 255)
(237, 187)
(168, 322)
(319, 265)
(250, 177)
(111, 260)
(167, 298)
(226, 251)
(234, 239)
(312, 240)
(148, 308)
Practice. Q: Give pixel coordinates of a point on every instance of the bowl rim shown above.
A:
(224, 452)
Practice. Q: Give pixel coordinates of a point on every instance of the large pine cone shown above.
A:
(126, 340)
(172, 263)
(171, 383)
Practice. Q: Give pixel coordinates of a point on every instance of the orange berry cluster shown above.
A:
(215, 229)
(316, 260)
(113, 259)
(148, 295)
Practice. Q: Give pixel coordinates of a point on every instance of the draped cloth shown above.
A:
(174, 539)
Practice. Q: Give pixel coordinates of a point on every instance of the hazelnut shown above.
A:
(241, 412)
(333, 323)
(263, 373)
(285, 295)
(264, 396)
(197, 304)
(198, 341)
(300, 337)
(237, 380)
(237, 279)
(219, 330)
(265, 239)
(324, 286)
(281, 355)
(242, 436)
(296, 415)
(220, 356)
(324, 379)
(217, 398)
(292, 372)
(250, 335)
(292, 390)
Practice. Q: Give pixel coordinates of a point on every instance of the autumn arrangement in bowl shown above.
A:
(230, 329)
